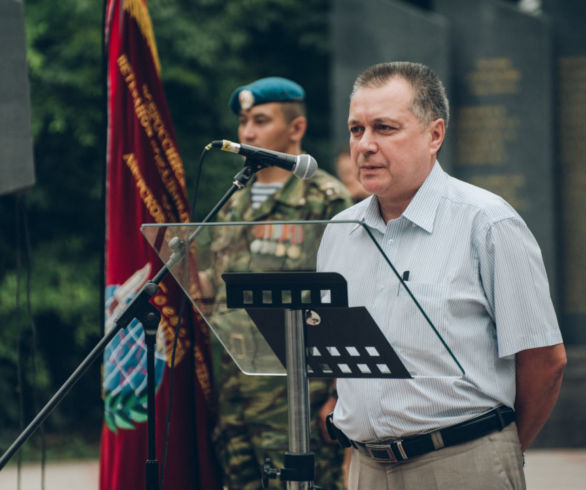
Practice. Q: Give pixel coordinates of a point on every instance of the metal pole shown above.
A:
(297, 389)
(150, 324)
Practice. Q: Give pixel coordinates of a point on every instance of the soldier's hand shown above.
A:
(205, 298)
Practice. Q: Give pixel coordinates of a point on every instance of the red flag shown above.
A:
(145, 183)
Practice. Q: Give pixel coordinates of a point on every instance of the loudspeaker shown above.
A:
(16, 141)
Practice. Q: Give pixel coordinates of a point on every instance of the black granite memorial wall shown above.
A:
(502, 78)
(568, 18)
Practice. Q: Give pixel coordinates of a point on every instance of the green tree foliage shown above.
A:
(210, 47)
(65, 221)
(207, 48)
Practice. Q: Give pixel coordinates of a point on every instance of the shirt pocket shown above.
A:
(415, 335)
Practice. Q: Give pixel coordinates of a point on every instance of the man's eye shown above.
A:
(355, 129)
(385, 128)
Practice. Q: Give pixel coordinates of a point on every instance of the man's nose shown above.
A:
(246, 131)
(367, 143)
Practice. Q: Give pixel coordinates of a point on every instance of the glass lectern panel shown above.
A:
(199, 254)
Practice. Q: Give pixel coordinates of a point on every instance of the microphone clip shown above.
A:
(242, 178)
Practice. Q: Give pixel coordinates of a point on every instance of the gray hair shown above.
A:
(429, 101)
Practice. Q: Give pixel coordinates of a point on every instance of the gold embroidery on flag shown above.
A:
(168, 324)
(139, 106)
(161, 141)
(165, 138)
(202, 373)
(144, 191)
(137, 9)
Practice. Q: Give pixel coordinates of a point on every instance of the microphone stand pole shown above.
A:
(140, 308)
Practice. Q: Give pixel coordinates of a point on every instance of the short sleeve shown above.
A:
(516, 286)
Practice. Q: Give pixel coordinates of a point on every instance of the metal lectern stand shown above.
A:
(304, 317)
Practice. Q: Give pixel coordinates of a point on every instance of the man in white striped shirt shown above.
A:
(475, 268)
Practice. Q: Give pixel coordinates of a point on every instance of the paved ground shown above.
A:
(82, 475)
(561, 469)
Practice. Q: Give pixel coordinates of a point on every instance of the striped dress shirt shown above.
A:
(476, 270)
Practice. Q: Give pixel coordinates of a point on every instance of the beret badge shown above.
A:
(246, 99)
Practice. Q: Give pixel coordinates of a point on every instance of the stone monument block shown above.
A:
(503, 109)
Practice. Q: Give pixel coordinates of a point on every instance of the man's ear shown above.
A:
(297, 128)
(437, 130)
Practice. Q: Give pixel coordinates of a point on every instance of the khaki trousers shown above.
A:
(492, 462)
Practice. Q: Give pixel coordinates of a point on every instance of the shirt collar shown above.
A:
(372, 217)
(422, 209)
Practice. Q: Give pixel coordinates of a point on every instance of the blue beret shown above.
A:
(271, 89)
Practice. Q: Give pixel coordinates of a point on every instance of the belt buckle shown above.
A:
(386, 448)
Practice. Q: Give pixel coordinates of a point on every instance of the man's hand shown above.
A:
(539, 378)
(205, 298)
(324, 411)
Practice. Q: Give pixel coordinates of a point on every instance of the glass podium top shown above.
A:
(198, 255)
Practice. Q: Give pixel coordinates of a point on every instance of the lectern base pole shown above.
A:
(299, 462)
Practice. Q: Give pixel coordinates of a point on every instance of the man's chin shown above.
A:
(372, 185)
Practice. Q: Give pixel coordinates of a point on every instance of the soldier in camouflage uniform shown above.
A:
(253, 409)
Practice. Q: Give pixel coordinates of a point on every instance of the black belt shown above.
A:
(394, 450)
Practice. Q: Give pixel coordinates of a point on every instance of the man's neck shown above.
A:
(392, 210)
(393, 205)
(270, 175)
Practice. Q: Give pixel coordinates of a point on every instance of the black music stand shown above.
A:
(305, 319)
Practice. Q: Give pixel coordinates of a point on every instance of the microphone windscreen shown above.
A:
(305, 167)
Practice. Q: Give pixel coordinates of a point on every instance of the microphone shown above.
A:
(302, 166)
